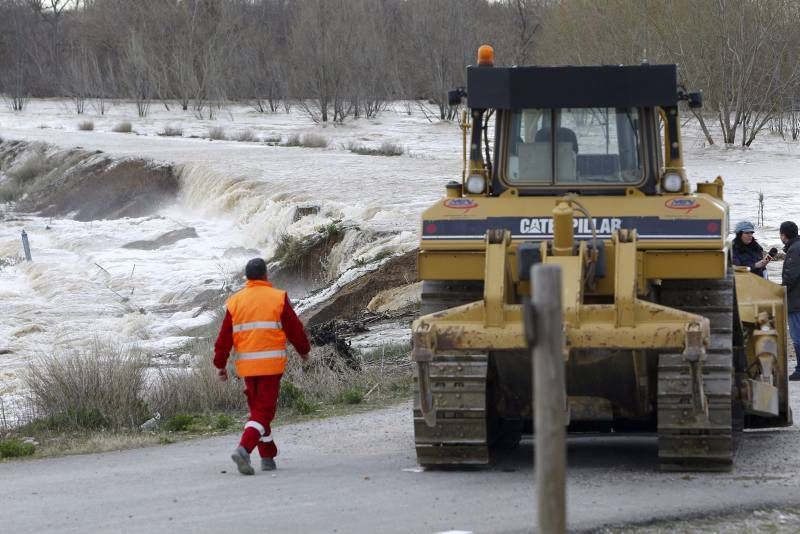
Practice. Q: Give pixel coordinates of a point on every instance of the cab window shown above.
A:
(574, 146)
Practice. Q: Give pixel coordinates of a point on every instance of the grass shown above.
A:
(14, 448)
(171, 131)
(332, 230)
(307, 141)
(95, 400)
(246, 136)
(101, 387)
(217, 133)
(123, 127)
(194, 390)
(86, 126)
(289, 247)
(385, 149)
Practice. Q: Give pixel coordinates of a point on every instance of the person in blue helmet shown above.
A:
(746, 251)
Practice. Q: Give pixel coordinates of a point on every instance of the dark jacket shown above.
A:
(791, 274)
(747, 255)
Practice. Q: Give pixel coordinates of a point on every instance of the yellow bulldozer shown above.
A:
(582, 167)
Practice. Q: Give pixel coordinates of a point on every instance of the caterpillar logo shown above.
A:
(581, 226)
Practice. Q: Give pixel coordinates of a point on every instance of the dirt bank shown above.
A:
(87, 185)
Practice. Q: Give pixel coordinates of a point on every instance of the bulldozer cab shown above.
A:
(589, 130)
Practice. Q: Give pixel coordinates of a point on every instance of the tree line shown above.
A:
(336, 59)
(342, 59)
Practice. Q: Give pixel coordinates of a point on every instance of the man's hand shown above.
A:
(222, 374)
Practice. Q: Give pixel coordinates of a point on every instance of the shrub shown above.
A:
(246, 136)
(294, 398)
(86, 126)
(14, 448)
(307, 141)
(351, 396)
(171, 131)
(180, 422)
(223, 422)
(123, 127)
(98, 388)
(217, 133)
(386, 149)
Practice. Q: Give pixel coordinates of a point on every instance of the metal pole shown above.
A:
(549, 399)
(26, 246)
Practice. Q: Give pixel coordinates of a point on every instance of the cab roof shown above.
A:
(572, 87)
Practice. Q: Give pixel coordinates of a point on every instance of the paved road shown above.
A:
(357, 474)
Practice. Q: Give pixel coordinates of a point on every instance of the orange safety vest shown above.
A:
(258, 338)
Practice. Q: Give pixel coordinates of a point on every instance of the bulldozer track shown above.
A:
(461, 434)
(689, 442)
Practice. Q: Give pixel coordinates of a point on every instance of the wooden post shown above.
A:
(549, 399)
(26, 246)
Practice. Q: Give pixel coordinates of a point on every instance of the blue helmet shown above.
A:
(744, 226)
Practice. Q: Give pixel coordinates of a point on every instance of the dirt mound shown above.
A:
(86, 185)
(352, 298)
(164, 240)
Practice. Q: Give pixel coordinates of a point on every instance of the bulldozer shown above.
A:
(582, 167)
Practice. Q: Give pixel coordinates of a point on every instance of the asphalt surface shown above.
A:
(358, 474)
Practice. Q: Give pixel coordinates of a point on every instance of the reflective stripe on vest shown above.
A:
(258, 338)
(269, 325)
(262, 354)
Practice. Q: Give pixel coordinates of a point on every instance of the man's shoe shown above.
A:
(795, 376)
(268, 464)
(241, 458)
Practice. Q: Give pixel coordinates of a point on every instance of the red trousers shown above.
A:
(262, 399)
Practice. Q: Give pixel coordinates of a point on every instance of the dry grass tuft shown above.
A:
(97, 388)
(326, 378)
(86, 126)
(386, 149)
(307, 141)
(123, 127)
(195, 390)
(246, 136)
(217, 133)
(171, 131)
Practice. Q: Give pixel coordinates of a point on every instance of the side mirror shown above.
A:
(456, 96)
(695, 99)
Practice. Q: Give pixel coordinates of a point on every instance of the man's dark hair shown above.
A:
(789, 229)
(256, 269)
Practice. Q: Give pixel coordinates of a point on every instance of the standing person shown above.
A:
(259, 320)
(746, 251)
(791, 279)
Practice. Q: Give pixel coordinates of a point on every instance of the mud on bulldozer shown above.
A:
(582, 167)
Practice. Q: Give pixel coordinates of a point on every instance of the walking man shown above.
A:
(259, 320)
(791, 279)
